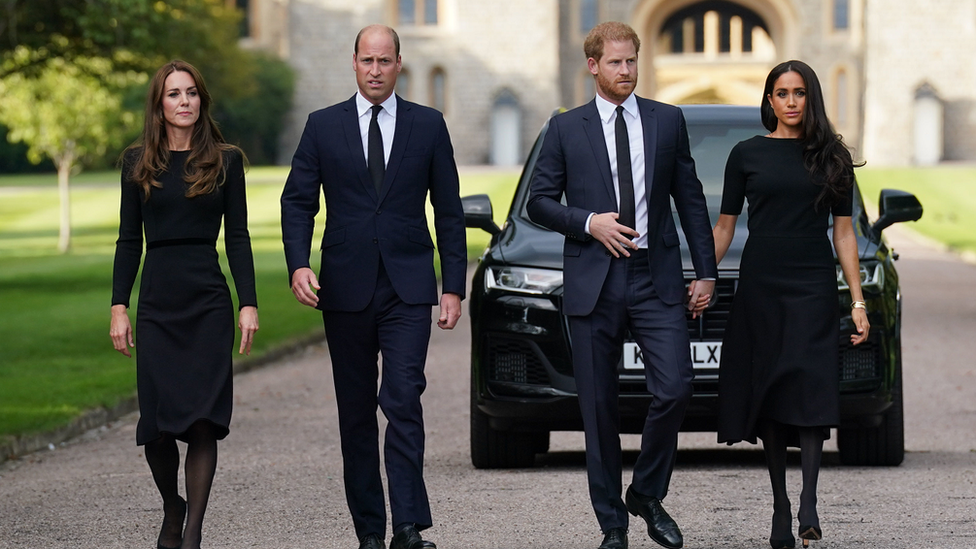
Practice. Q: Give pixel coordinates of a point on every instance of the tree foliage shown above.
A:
(68, 110)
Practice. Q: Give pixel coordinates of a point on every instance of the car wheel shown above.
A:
(494, 449)
(881, 445)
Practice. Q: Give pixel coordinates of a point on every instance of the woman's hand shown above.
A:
(121, 330)
(247, 321)
(860, 317)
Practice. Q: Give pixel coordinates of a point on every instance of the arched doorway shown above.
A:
(506, 124)
(712, 51)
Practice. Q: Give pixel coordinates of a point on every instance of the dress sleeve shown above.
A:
(128, 247)
(845, 206)
(237, 240)
(734, 191)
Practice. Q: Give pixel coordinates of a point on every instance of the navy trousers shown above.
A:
(400, 332)
(628, 300)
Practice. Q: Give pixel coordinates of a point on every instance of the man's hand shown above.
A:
(613, 235)
(699, 294)
(302, 282)
(450, 311)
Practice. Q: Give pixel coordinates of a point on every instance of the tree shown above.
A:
(68, 111)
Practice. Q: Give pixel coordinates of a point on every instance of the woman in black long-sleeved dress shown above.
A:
(179, 182)
(778, 377)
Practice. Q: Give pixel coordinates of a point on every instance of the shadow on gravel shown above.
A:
(686, 458)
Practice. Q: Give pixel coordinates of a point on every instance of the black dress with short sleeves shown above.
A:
(185, 320)
(780, 350)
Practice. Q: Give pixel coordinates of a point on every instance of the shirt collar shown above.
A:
(363, 105)
(606, 108)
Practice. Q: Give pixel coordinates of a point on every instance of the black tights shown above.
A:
(775, 437)
(201, 463)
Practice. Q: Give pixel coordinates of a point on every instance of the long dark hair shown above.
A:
(204, 170)
(824, 154)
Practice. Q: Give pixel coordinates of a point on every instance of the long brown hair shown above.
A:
(825, 155)
(204, 170)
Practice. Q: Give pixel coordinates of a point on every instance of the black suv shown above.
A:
(522, 384)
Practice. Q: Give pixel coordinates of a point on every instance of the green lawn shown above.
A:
(56, 359)
(947, 194)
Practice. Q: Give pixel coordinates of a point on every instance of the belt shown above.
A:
(180, 242)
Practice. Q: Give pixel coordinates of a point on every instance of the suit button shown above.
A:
(375, 240)
(607, 253)
(378, 212)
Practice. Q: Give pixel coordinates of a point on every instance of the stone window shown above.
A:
(841, 14)
(417, 12)
(714, 27)
(403, 84)
(438, 89)
(245, 24)
(589, 15)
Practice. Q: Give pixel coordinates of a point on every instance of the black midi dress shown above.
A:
(185, 320)
(780, 350)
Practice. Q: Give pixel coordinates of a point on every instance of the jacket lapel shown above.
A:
(350, 126)
(593, 127)
(649, 127)
(401, 136)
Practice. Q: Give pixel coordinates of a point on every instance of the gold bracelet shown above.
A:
(859, 305)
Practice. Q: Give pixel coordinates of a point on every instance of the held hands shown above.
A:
(699, 294)
(302, 282)
(121, 330)
(860, 317)
(450, 311)
(247, 321)
(613, 235)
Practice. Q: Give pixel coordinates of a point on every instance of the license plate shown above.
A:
(704, 354)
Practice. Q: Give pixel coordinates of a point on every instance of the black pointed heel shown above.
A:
(810, 533)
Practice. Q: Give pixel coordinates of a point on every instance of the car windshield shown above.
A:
(710, 145)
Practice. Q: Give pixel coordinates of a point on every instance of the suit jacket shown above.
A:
(574, 160)
(363, 226)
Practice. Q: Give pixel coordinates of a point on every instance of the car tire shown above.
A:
(494, 449)
(883, 445)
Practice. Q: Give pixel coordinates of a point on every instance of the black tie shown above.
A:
(374, 159)
(625, 177)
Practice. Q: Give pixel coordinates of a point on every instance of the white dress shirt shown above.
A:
(635, 132)
(386, 119)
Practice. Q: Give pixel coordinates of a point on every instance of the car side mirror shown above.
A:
(895, 207)
(478, 213)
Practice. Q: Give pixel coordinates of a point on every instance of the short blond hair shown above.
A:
(612, 31)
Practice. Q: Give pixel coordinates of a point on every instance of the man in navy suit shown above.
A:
(620, 160)
(376, 157)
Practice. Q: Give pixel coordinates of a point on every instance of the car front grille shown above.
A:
(515, 361)
(861, 362)
(711, 324)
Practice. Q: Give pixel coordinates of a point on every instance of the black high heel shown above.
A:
(182, 518)
(810, 533)
(782, 525)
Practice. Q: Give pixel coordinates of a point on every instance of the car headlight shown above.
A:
(523, 279)
(872, 276)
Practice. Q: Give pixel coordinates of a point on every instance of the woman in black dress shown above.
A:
(179, 182)
(778, 378)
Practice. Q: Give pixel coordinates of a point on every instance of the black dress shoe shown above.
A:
(371, 541)
(616, 538)
(409, 538)
(660, 526)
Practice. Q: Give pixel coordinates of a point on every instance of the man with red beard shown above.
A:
(620, 160)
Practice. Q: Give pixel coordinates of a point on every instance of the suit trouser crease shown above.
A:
(400, 332)
(628, 300)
